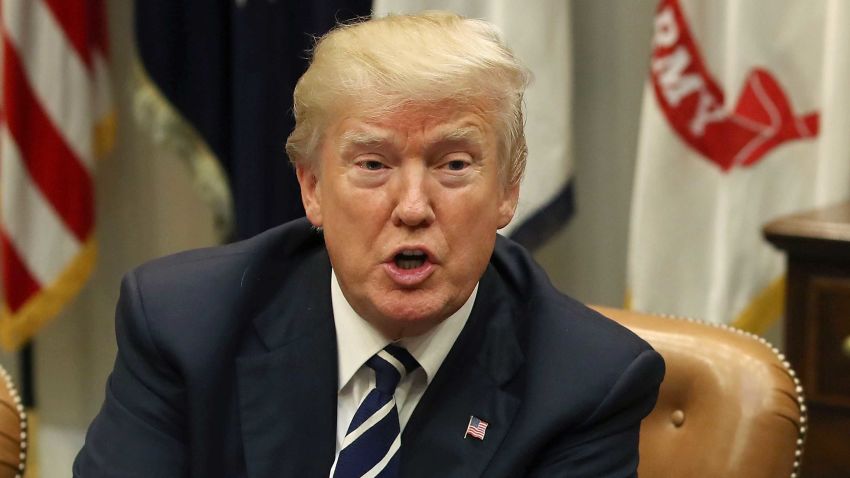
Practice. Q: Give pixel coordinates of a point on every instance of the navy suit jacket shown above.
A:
(227, 367)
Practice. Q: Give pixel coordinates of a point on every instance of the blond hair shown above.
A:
(378, 66)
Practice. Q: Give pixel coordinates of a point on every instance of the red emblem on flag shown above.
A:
(693, 102)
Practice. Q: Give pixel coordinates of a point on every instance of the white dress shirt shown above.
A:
(357, 341)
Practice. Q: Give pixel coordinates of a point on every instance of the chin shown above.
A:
(411, 314)
(408, 311)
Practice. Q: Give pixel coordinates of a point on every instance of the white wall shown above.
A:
(146, 208)
(611, 47)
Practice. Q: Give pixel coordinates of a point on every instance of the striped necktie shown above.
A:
(371, 444)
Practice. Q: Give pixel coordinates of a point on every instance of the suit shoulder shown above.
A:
(549, 313)
(564, 318)
(562, 336)
(578, 356)
(210, 291)
(226, 267)
(574, 340)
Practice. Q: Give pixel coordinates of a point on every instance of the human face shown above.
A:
(409, 204)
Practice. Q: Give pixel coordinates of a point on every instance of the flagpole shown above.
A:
(27, 386)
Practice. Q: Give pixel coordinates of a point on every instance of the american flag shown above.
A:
(56, 120)
(476, 428)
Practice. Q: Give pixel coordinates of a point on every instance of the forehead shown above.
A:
(427, 123)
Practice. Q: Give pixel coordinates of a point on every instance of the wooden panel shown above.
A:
(817, 322)
(830, 223)
(829, 314)
(826, 451)
(823, 233)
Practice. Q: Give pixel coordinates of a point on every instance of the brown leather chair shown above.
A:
(13, 429)
(729, 406)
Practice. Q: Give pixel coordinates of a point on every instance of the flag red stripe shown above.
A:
(99, 34)
(72, 16)
(52, 165)
(17, 280)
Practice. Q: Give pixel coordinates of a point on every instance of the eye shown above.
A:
(371, 165)
(456, 162)
(457, 165)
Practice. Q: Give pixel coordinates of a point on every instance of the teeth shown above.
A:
(410, 259)
(409, 263)
(412, 252)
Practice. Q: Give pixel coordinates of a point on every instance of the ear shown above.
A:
(507, 207)
(311, 193)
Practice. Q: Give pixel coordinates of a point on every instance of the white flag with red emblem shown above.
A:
(56, 120)
(745, 118)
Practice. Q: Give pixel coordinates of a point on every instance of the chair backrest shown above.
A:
(730, 405)
(13, 429)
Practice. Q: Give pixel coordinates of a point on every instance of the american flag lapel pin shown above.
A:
(476, 428)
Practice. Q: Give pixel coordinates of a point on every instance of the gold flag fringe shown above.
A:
(764, 310)
(172, 131)
(104, 135)
(18, 327)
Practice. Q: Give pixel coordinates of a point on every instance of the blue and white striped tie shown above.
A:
(371, 445)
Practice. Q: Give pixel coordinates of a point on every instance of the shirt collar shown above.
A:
(357, 340)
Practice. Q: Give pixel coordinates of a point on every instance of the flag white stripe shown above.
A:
(379, 467)
(367, 424)
(55, 72)
(393, 361)
(41, 239)
(103, 98)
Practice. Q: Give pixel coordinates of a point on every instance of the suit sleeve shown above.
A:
(139, 431)
(606, 444)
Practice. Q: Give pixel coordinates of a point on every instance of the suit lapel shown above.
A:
(288, 392)
(472, 381)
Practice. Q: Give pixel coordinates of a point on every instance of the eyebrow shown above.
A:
(369, 139)
(362, 138)
(464, 133)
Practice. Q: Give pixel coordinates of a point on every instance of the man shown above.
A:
(394, 334)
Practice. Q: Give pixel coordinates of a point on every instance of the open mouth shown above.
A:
(410, 259)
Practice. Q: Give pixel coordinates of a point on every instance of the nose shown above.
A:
(413, 207)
